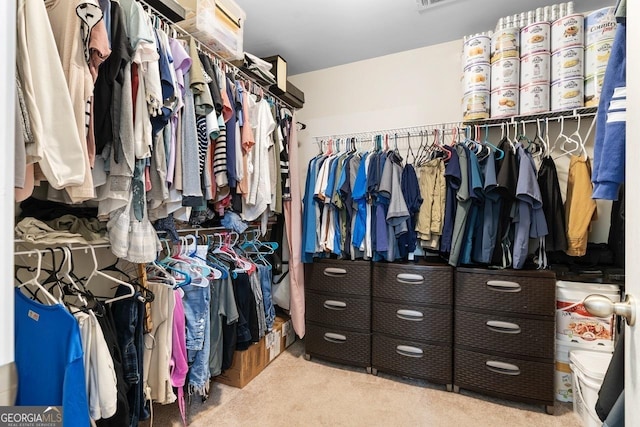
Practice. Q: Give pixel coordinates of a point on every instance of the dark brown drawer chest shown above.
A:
(338, 311)
(413, 321)
(504, 334)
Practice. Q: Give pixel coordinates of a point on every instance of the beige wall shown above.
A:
(412, 88)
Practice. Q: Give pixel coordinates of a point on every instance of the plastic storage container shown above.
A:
(218, 24)
(588, 373)
(563, 376)
(574, 322)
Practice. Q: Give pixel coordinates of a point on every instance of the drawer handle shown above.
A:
(335, 338)
(502, 368)
(334, 272)
(503, 327)
(409, 351)
(335, 305)
(411, 315)
(414, 279)
(503, 286)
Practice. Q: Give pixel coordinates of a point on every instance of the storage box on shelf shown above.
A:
(338, 311)
(218, 24)
(504, 334)
(412, 321)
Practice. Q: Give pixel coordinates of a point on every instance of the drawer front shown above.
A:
(337, 345)
(420, 284)
(412, 321)
(346, 277)
(513, 335)
(510, 293)
(510, 376)
(339, 310)
(412, 359)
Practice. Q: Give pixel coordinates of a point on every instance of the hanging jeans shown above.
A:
(196, 310)
(265, 283)
(128, 317)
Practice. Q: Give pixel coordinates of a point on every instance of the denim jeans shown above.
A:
(197, 315)
(128, 317)
(265, 284)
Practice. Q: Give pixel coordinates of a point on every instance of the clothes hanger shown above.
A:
(499, 152)
(576, 139)
(586, 138)
(560, 136)
(97, 273)
(34, 282)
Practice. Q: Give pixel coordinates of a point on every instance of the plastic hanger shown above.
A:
(34, 281)
(499, 152)
(98, 273)
(576, 139)
(561, 136)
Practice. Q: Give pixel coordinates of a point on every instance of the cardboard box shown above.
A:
(246, 365)
(279, 70)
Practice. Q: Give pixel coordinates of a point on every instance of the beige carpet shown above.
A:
(295, 392)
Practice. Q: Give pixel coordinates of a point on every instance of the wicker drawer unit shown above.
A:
(338, 345)
(504, 334)
(422, 284)
(414, 359)
(508, 378)
(337, 276)
(412, 321)
(338, 311)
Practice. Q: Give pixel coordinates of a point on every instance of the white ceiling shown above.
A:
(315, 34)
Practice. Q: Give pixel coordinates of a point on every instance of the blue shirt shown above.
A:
(359, 193)
(309, 219)
(49, 359)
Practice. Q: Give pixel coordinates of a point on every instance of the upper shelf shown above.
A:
(574, 113)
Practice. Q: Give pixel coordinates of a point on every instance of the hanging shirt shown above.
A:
(309, 218)
(49, 359)
(463, 198)
(552, 206)
(453, 177)
(490, 213)
(530, 222)
(413, 199)
(359, 193)
(507, 169)
(477, 198)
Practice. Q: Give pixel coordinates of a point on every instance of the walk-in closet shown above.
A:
(238, 213)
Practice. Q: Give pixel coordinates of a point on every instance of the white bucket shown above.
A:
(589, 370)
(505, 102)
(592, 90)
(476, 49)
(563, 376)
(505, 44)
(535, 68)
(476, 105)
(567, 63)
(534, 98)
(567, 94)
(567, 32)
(573, 321)
(535, 38)
(505, 73)
(596, 57)
(477, 77)
(600, 25)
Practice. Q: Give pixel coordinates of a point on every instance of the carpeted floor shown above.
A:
(296, 392)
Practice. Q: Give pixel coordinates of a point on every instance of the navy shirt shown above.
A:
(453, 176)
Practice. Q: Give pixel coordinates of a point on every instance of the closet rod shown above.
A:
(402, 132)
(60, 249)
(201, 46)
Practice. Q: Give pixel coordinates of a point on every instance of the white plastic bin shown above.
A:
(588, 369)
(563, 376)
(573, 321)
